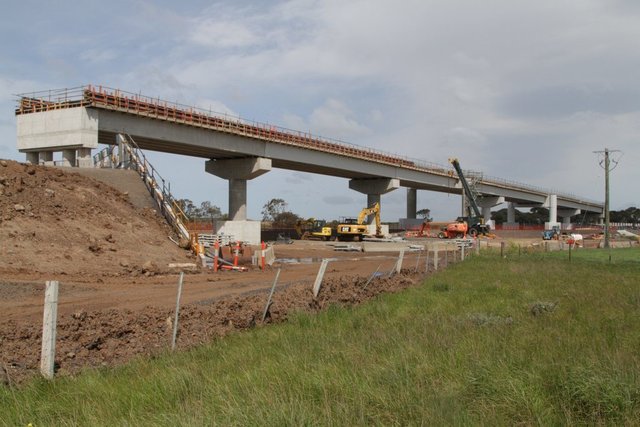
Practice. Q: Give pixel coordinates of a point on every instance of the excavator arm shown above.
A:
(374, 210)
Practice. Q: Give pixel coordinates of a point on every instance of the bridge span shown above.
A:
(75, 121)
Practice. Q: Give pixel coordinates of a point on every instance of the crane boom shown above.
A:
(467, 189)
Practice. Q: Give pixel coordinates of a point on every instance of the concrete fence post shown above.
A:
(399, 263)
(436, 257)
(48, 352)
(318, 282)
(273, 288)
(175, 322)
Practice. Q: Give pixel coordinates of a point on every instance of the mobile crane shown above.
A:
(471, 224)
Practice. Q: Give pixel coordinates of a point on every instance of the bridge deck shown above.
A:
(135, 104)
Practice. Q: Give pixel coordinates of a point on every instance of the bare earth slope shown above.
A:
(117, 293)
(57, 222)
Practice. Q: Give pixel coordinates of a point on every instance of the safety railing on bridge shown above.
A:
(114, 99)
(135, 159)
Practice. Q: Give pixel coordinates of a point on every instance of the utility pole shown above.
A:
(606, 165)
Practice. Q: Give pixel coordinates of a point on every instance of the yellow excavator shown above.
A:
(314, 229)
(355, 228)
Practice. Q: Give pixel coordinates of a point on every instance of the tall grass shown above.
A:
(529, 339)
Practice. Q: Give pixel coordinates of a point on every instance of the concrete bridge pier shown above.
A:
(566, 215)
(486, 203)
(374, 188)
(412, 203)
(552, 204)
(237, 172)
(511, 215)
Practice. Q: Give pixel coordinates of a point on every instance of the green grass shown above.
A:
(463, 348)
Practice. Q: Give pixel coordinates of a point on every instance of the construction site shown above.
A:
(107, 228)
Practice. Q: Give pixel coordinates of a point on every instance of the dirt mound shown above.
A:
(57, 222)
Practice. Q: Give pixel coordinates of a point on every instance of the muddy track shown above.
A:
(115, 336)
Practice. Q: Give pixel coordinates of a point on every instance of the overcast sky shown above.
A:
(521, 90)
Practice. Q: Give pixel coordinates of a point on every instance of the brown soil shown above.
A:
(117, 292)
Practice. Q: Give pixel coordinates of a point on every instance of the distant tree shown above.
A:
(534, 216)
(286, 220)
(272, 209)
(208, 210)
(187, 206)
(425, 214)
(630, 215)
(499, 216)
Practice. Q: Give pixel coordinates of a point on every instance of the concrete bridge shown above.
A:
(76, 121)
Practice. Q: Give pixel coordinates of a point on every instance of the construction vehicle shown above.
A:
(455, 230)
(355, 228)
(314, 229)
(553, 234)
(473, 224)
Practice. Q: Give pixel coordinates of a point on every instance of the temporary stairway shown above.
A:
(127, 155)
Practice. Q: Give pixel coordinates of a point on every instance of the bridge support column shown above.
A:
(374, 188)
(566, 215)
(486, 203)
(45, 158)
(412, 202)
(32, 157)
(511, 213)
(69, 158)
(84, 158)
(552, 204)
(238, 171)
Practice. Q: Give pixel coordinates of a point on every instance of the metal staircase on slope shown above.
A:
(128, 155)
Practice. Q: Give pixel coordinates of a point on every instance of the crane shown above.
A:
(476, 221)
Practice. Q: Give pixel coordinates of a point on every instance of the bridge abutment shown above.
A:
(374, 188)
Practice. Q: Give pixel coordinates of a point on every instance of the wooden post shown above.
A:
(477, 245)
(318, 282)
(502, 249)
(570, 245)
(273, 288)
(175, 322)
(462, 251)
(48, 352)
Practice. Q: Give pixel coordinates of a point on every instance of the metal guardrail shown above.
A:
(104, 97)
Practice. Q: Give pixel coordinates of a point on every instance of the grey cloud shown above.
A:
(566, 100)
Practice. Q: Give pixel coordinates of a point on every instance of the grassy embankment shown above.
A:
(528, 339)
